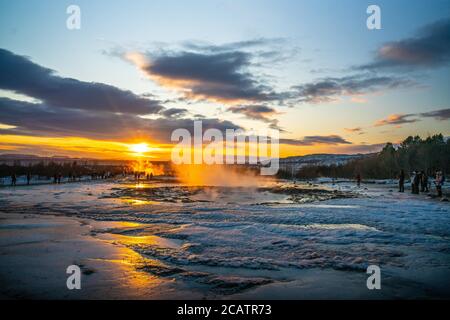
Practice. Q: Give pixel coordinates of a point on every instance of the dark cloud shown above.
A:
(219, 73)
(429, 48)
(270, 51)
(40, 119)
(21, 75)
(259, 112)
(313, 140)
(255, 112)
(328, 89)
(174, 112)
(212, 76)
(443, 114)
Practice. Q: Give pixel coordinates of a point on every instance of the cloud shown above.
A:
(313, 140)
(21, 75)
(357, 130)
(259, 112)
(263, 43)
(221, 77)
(328, 89)
(443, 114)
(362, 148)
(174, 112)
(255, 112)
(399, 119)
(39, 119)
(218, 73)
(396, 119)
(354, 130)
(429, 48)
(69, 107)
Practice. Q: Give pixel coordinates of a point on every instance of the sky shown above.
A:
(137, 70)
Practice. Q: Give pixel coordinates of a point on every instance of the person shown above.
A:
(28, 178)
(401, 181)
(413, 178)
(438, 182)
(418, 180)
(415, 181)
(424, 182)
(358, 180)
(13, 179)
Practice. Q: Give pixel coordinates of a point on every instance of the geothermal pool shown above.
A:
(276, 239)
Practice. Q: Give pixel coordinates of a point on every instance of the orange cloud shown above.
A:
(396, 119)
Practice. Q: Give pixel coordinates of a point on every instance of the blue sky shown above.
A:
(313, 40)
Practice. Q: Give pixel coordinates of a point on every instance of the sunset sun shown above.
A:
(139, 148)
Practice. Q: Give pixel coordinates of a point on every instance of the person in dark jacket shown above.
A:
(28, 178)
(424, 182)
(13, 179)
(415, 180)
(401, 181)
(358, 180)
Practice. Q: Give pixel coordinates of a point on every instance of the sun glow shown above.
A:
(140, 148)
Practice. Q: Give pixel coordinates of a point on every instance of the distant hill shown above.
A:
(294, 161)
(324, 159)
(14, 156)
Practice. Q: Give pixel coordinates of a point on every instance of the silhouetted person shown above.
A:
(424, 182)
(416, 182)
(55, 178)
(13, 179)
(28, 178)
(401, 181)
(358, 180)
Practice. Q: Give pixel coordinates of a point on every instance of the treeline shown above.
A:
(413, 154)
(51, 169)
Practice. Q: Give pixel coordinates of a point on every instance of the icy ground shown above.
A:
(254, 243)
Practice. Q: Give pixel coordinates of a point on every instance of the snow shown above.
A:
(228, 247)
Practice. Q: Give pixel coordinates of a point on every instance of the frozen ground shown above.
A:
(163, 240)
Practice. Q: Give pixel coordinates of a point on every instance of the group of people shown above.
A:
(14, 179)
(138, 175)
(58, 177)
(420, 182)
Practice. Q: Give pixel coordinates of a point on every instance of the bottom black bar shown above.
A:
(227, 309)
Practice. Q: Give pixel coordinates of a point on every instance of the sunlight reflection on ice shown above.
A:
(342, 226)
(330, 206)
